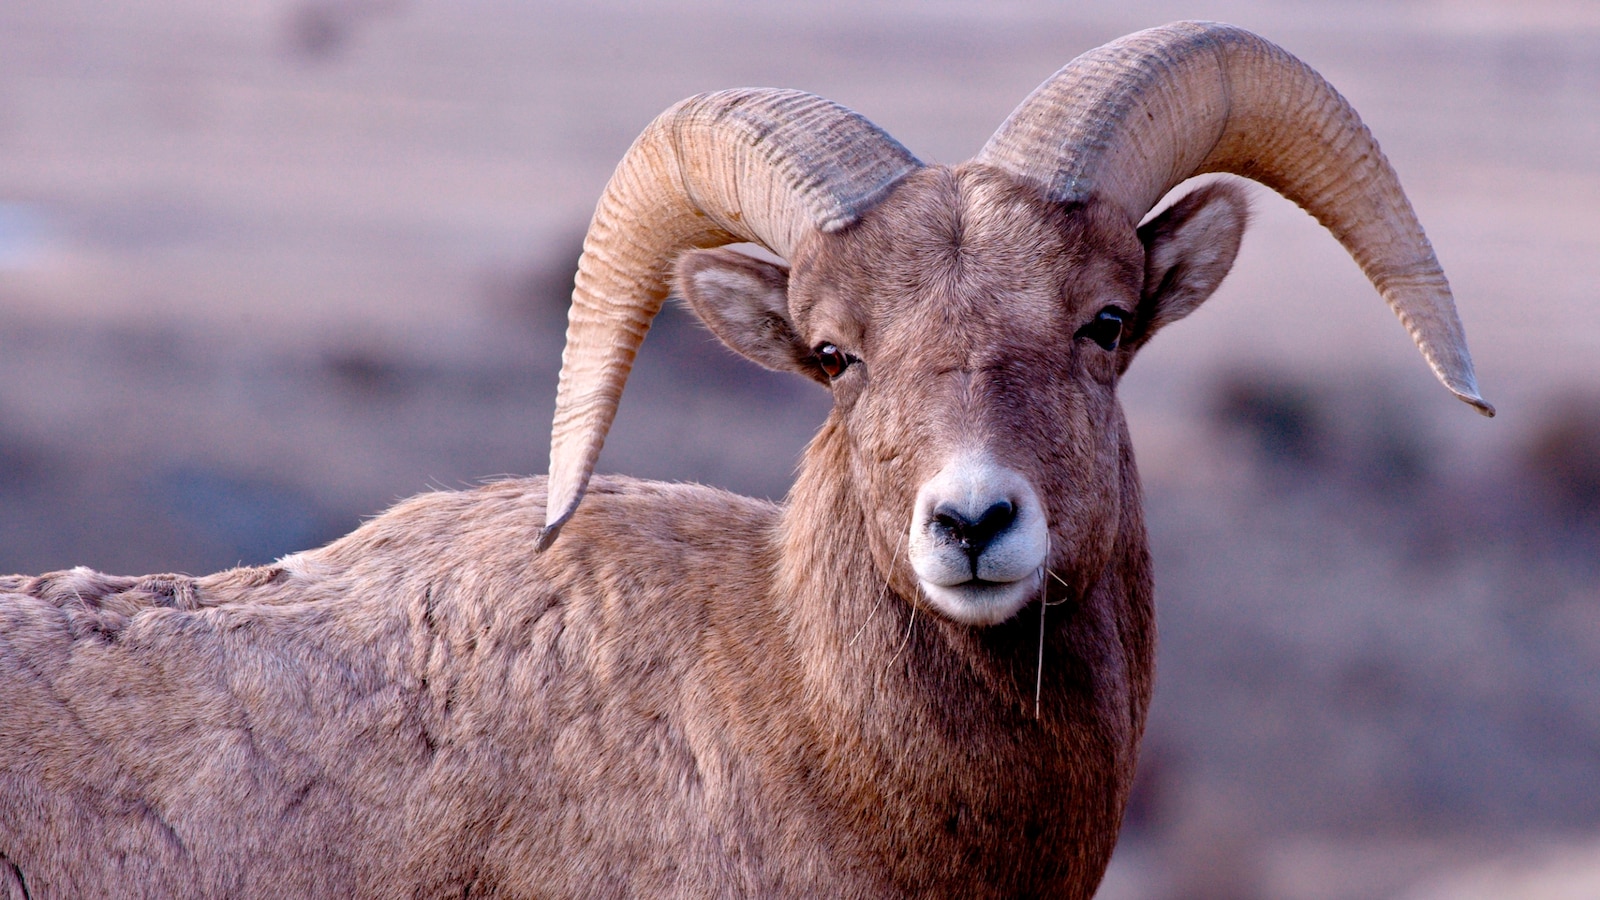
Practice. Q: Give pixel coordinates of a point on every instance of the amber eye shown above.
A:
(1106, 329)
(831, 360)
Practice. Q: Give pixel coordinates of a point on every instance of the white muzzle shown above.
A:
(978, 540)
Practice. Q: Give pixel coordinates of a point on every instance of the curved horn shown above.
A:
(1130, 120)
(759, 165)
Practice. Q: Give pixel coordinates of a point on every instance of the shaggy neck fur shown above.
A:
(923, 733)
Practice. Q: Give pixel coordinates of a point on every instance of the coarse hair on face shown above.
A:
(983, 330)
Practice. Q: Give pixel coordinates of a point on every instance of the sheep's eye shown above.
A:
(831, 360)
(1106, 329)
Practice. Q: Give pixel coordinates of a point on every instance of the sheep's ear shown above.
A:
(1188, 249)
(745, 303)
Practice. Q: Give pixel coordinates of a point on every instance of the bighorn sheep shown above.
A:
(926, 673)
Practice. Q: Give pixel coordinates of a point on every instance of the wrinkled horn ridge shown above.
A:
(760, 165)
(1130, 120)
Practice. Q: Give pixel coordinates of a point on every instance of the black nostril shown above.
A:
(974, 535)
(994, 520)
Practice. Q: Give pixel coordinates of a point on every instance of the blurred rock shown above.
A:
(1562, 458)
(252, 519)
(321, 30)
(1278, 416)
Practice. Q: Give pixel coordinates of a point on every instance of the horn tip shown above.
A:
(1470, 396)
(1481, 405)
(554, 520)
(547, 536)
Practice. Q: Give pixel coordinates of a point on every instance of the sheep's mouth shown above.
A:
(980, 602)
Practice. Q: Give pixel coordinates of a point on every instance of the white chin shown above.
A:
(979, 602)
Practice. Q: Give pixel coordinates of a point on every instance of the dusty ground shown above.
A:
(267, 266)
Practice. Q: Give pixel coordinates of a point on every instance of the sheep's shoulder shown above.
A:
(589, 670)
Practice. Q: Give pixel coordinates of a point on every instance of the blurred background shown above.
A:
(267, 266)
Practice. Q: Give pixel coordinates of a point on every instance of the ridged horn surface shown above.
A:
(1130, 120)
(759, 165)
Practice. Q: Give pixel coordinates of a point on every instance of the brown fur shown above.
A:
(689, 694)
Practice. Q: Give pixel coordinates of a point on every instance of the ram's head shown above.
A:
(972, 321)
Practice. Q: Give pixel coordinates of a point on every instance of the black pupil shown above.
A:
(831, 359)
(1106, 329)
